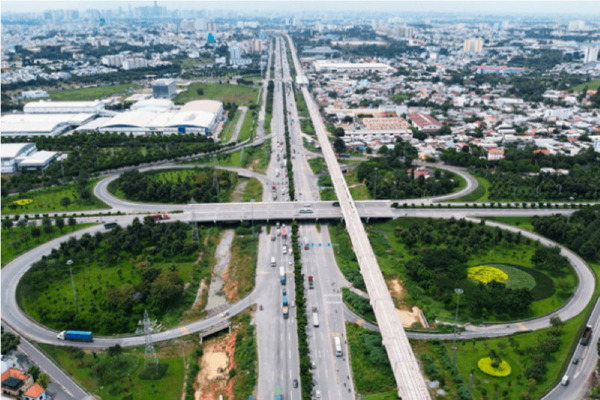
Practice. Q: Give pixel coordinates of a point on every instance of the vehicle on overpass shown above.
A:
(159, 217)
(305, 211)
(110, 225)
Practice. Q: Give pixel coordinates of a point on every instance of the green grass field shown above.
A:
(480, 194)
(248, 128)
(93, 93)
(126, 384)
(49, 200)
(16, 241)
(521, 222)
(226, 93)
(253, 191)
(317, 165)
(227, 132)
(593, 85)
(255, 158)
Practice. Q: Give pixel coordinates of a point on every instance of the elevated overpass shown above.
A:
(410, 381)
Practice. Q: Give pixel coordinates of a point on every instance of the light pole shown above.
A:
(252, 205)
(70, 264)
(376, 170)
(458, 292)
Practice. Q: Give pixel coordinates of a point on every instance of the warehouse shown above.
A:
(41, 124)
(200, 116)
(25, 156)
(64, 107)
(329, 66)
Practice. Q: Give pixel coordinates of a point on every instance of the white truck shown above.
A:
(315, 315)
(272, 261)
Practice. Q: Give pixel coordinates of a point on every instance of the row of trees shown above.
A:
(111, 306)
(200, 186)
(91, 153)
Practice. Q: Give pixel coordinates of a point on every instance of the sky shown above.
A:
(558, 8)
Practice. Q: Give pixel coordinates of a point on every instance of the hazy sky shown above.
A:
(559, 8)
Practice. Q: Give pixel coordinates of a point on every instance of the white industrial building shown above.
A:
(41, 124)
(329, 66)
(201, 116)
(153, 105)
(64, 107)
(164, 88)
(24, 156)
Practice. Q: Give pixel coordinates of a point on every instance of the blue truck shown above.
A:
(81, 336)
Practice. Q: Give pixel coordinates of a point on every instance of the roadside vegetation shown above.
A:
(117, 373)
(176, 185)
(255, 158)
(520, 176)
(20, 236)
(227, 132)
(70, 197)
(371, 369)
(117, 275)
(242, 266)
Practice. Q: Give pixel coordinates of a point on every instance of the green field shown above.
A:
(310, 146)
(593, 85)
(253, 191)
(106, 278)
(227, 132)
(16, 241)
(117, 378)
(521, 222)
(480, 194)
(248, 127)
(254, 158)
(49, 200)
(93, 93)
(317, 165)
(241, 95)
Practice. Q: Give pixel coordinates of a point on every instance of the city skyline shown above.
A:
(498, 8)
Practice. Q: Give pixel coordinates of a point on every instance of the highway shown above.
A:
(410, 380)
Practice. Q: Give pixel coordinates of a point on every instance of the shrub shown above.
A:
(485, 365)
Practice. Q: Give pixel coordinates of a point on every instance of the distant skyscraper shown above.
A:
(576, 25)
(211, 26)
(474, 45)
(591, 54)
(405, 31)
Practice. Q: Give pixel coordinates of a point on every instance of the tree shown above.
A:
(9, 341)
(339, 132)
(339, 145)
(72, 221)
(34, 371)
(22, 223)
(115, 351)
(7, 223)
(43, 380)
(59, 222)
(65, 201)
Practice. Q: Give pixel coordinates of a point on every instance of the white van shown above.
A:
(565, 380)
(272, 261)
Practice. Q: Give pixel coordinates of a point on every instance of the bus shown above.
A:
(338, 346)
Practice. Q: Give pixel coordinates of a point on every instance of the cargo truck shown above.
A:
(81, 336)
(587, 333)
(311, 282)
(272, 261)
(315, 315)
(160, 217)
(283, 232)
(282, 275)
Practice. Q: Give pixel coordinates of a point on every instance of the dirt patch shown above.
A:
(216, 362)
(396, 289)
(407, 315)
(410, 317)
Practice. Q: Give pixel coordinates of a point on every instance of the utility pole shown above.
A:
(252, 206)
(70, 263)
(458, 292)
(376, 169)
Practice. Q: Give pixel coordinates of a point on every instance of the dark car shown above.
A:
(295, 383)
(284, 292)
(576, 361)
(336, 204)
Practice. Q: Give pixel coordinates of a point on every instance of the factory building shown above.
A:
(329, 66)
(41, 124)
(64, 107)
(25, 157)
(164, 89)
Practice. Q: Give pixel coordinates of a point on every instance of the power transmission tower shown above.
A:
(150, 359)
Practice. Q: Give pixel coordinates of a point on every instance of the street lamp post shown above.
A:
(70, 264)
(252, 205)
(376, 169)
(458, 292)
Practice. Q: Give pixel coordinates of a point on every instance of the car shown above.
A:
(284, 292)
(318, 394)
(313, 365)
(336, 204)
(576, 361)
(290, 262)
(295, 383)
